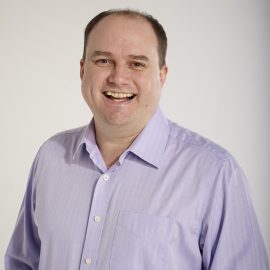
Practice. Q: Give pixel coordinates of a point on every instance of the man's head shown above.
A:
(121, 72)
(157, 27)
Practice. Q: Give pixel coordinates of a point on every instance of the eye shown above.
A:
(138, 65)
(103, 62)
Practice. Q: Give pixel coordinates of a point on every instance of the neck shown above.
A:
(113, 141)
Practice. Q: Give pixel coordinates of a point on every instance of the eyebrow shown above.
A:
(139, 57)
(101, 53)
(132, 56)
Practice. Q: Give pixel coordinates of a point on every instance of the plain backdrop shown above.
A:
(218, 83)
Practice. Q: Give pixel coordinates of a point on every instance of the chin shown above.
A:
(118, 122)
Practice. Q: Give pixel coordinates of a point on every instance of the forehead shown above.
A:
(122, 31)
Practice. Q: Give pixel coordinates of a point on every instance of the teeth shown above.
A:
(118, 95)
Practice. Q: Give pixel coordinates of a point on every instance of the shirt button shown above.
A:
(106, 177)
(97, 219)
(88, 261)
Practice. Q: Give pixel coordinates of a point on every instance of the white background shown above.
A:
(218, 83)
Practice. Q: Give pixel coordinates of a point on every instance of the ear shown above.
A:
(162, 74)
(81, 68)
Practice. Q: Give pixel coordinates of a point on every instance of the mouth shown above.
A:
(119, 96)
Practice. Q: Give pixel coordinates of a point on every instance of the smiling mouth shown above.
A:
(118, 96)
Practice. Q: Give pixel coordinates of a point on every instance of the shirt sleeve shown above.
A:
(233, 239)
(24, 247)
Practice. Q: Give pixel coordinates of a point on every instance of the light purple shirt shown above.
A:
(174, 200)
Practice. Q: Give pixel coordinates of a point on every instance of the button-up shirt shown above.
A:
(173, 200)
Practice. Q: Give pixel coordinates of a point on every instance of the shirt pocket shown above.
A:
(141, 242)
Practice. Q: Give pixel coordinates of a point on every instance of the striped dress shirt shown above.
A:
(174, 200)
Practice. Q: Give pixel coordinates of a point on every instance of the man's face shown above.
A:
(121, 77)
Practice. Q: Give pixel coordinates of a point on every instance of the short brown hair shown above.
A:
(157, 27)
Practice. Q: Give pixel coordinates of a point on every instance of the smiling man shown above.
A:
(121, 80)
(133, 190)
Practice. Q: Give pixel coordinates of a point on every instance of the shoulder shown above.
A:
(70, 134)
(202, 154)
(63, 142)
(195, 144)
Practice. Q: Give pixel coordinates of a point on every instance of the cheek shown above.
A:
(87, 86)
(154, 92)
(150, 85)
(93, 76)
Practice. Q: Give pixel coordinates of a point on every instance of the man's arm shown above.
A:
(24, 247)
(233, 239)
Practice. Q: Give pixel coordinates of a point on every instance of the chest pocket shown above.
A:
(141, 242)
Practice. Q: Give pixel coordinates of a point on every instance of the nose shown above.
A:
(119, 75)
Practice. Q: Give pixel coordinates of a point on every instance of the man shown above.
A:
(133, 190)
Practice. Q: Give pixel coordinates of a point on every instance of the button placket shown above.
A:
(95, 225)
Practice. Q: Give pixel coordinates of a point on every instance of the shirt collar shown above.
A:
(151, 142)
(149, 145)
(88, 139)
